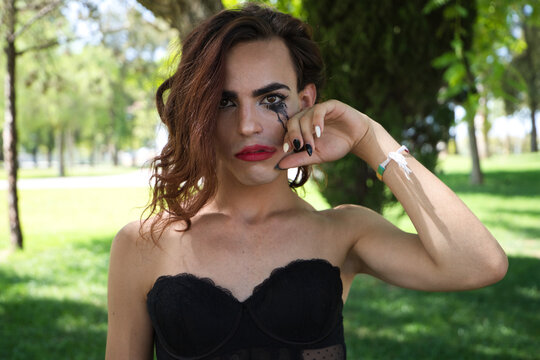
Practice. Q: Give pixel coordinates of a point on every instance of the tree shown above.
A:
(11, 33)
(462, 65)
(134, 51)
(379, 60)
(522, 80)
(182, 15)
(18, 18)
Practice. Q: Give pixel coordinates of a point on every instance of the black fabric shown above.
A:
(296, 313)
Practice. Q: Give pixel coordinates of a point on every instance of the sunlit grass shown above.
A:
(49, 172)
(507, 203)
(53, 294)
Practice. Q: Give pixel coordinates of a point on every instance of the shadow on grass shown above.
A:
(43, 328)
(505, 183)
(498, 322)
(58, 311)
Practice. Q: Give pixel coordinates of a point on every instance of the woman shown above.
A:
(240, 267)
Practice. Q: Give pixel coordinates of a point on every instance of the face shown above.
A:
(259, 96)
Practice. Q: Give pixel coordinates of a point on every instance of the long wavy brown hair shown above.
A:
(184, 174)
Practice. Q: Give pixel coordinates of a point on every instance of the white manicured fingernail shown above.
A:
(285, 147)
(318, 131)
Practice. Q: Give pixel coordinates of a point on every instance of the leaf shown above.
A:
(434, 5)
(455, 74)
(445, 60)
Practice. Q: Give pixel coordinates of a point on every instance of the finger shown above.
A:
(306, 127)
(319, 114)
(294, 132)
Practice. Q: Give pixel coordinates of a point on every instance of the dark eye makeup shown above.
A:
(274, 102)
(279, 107)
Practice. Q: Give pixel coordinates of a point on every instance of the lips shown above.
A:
(256, 153)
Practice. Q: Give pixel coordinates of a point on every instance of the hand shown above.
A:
(341, 129)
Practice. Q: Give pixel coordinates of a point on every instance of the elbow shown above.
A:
(499, 269)
(491, 272)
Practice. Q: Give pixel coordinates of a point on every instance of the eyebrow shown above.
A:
(269, 88)
(258, 92)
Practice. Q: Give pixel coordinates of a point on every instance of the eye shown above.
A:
(225, 103)
(272, 99)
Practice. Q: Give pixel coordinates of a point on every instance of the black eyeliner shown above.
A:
(280, 108)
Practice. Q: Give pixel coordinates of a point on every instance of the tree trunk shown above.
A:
(50, 147)
(35, 156)
(61, 150)
(531, 83)
(2, 147)
(486, 126)
(10, 129)
(183, 15)
(534, 142)
(476, 173)
(115, 155)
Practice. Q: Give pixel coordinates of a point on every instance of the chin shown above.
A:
(254, 175)
(257, 179)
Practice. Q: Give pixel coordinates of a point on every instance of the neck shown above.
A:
(252, 204)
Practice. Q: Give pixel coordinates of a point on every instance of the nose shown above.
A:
(248, 121)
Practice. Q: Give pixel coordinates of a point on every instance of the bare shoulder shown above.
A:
(356, 220)
(130, 240)
(129, 329)
(128, 250)
(135, 253)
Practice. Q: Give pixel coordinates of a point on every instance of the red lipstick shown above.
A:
(256, 153)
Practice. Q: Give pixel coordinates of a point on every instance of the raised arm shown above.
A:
(453, 250)
(129, 334)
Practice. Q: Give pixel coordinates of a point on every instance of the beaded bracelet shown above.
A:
(397, 157)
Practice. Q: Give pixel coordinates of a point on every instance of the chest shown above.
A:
(239, 258)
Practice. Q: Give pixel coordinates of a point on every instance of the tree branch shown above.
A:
(45, 45)
(41, 13)
(55, 42)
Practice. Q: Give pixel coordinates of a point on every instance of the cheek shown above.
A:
(221, 134)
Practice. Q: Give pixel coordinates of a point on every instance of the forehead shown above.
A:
(252, 65)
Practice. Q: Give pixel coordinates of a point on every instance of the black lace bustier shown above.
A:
(295, 314)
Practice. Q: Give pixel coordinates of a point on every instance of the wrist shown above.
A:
(375, 145)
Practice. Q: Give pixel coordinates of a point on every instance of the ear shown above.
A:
(308, 96)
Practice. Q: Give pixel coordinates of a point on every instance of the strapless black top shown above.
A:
(295, 314)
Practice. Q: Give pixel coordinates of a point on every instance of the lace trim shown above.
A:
(228, 292)
(281, 269)
(187, 275)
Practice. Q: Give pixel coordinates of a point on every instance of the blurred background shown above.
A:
(458, 82)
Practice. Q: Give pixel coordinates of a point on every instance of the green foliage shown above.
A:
(97, 90)
(522, 77)
(293, 7)
(379, 58)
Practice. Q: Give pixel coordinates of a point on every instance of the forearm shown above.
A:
(457, 242)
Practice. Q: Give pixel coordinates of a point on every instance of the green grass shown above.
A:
(501, 321)
(33, 173)
(53, 294)
(508, 202)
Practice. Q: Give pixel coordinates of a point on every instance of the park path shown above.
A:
(137, 178)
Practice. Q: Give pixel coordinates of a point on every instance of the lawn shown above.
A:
(53, 294)
(80, 170)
